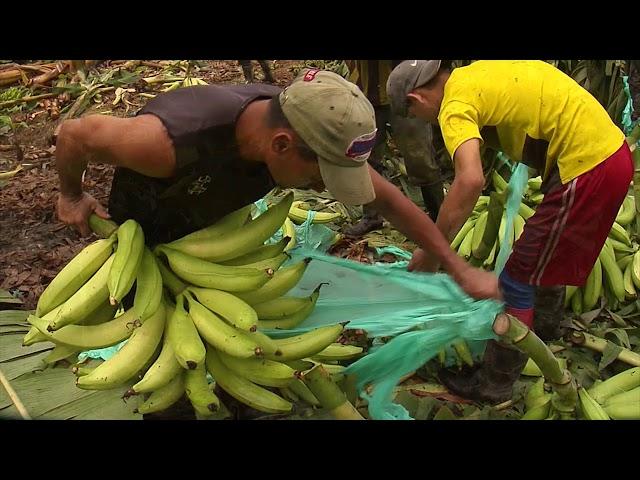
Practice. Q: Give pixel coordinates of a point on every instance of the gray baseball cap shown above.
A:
(405, 78)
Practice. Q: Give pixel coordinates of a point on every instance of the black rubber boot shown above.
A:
(247, 70)
(370, 221)
(433, 195)
(548, 312)
(493, 381)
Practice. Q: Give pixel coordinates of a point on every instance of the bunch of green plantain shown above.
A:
(617, 398)
(199, 305)
(615, 276)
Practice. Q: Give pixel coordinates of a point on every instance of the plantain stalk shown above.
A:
(513, 331)
(101, 226)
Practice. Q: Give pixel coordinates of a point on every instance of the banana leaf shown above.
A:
(48, 392)
(13, 329)
(11, 347)
(52, 394)
(14, 317)
(609, 355)
(582, 364)
(13, 369)
(45, 390)
(98, 405)
(620, 335)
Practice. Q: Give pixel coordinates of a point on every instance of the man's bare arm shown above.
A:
(139, 143)
(417, 226)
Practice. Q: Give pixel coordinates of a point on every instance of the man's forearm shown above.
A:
(457, 207)
(405, 216)
(71, 162)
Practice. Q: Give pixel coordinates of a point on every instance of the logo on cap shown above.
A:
(310, 75)
(360, 148)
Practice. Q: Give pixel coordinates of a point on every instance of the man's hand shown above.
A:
(421, 261)
(76, 211)
(478, 283)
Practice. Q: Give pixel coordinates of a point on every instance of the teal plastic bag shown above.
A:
(101, 353)
(627, 124)
(424, 312)
(393, 250)
(380, 299)
(404, 354)
(517, 186)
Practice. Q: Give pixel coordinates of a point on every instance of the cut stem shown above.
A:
(520, 336)
(101, 226)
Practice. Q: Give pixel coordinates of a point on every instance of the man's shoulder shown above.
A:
(239, 93)
(190, 111)
(208, 98)
(224, 93)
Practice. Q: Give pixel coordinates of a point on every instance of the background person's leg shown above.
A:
(371, 219)
(414, 138)
(268, 77)
(634, 87)
(247, 70)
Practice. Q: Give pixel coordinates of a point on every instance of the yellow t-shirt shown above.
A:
(519, 99)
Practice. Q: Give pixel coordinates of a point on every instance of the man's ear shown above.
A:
(415, 98)
(281, 142)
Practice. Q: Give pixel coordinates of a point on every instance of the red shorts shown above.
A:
(562, 240)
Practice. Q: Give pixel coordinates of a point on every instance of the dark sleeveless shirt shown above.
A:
(210, 181)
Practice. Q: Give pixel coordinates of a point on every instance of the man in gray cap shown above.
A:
(537, 115)
(193, 155)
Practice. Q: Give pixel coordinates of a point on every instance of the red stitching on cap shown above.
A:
(310, 75)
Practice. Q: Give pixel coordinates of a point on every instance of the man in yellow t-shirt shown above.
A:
(539, 116)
